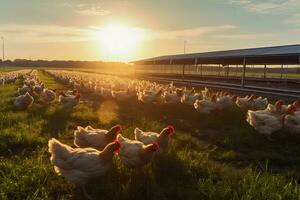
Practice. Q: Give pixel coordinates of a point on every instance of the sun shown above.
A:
(119, 41)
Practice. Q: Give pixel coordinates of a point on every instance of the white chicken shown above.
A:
(105, 92)
(23, 90)
(69, 100)
(264, 121)
(95, 138)
(206, 106)
(38, 89)
(278, 108)
(134, 153)
(149, 96)
(79, 165)
(24, 101)
(161, 138)
(48, 95)
(227, 101)
(191, 97)
(245, 102)
(259, 103)
(205, 92)
(292, 120)
(173, 97)
(121, 95)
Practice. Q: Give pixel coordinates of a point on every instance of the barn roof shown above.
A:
(288, 54)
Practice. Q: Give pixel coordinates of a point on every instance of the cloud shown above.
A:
(251, 36)
(188, 33)
(268, 6)
(24, 33)
(93, 11)
(88, 8)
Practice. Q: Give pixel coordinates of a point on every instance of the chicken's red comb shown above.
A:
(171, 127)
(296, 104)
(156, 145)
(119, 127)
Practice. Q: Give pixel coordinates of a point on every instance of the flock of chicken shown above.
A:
(265, 118)
(95, 149)
(33, 87)
(11, 77)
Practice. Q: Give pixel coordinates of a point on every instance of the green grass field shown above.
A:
(216, 156)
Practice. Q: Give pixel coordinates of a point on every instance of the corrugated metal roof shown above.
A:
(287, 50)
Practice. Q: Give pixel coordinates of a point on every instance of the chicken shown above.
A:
(161, 138)
(296, 105)
(38, 89)
(206, 106)
(278, 108)
(227, 101)
(172, 97)
(105, 92)
(121, 95)
(134, 153)
(23, 90)
(48, 95)
(149, 97)
(95, 138)
(292, 120)
(245, 102)
(24, 101)
(191, 97)
(264, 122)
(69, 100)
(205, 92)
(259, 103)
(80, 165)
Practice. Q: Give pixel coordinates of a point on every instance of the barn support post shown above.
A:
(265, 71)
(244, 73)
(196, 64)
(281, 72)
(227, 71)
(171, 66)
(183, 71)
(201, 70)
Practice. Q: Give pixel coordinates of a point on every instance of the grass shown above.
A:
(8, 69)
(215, 156)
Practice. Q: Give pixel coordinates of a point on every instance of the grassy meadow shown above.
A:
(216, 156)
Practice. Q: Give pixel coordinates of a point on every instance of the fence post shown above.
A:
(244, 72)
(265, 71)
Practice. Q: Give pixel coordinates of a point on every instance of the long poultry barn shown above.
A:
(275, 55)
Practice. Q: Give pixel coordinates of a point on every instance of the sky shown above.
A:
(81, 29)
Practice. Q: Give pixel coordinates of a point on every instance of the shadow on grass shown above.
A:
(167, 177)
(57, 121)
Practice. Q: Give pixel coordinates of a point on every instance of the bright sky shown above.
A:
(125, 30)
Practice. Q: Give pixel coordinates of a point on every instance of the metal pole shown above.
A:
(2, 47)
(265, 71)
(201, 70)
(244, 72)
(183, 67)
(281, 72)
(196, 62)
